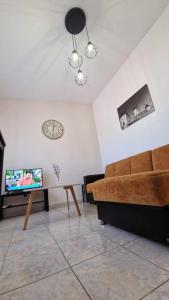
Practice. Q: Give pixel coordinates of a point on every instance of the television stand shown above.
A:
(25, 203)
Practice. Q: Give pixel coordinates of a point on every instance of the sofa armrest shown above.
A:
(88, 180)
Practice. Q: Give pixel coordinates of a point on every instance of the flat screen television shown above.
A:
(22, 179)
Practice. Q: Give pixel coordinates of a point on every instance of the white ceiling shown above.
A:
(34, 45)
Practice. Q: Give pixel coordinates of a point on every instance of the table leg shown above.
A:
(28, 210)
(70, 187)
(75, 200)
(67, 197)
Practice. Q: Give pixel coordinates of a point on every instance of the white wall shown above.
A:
(149, 63)
(77, 152)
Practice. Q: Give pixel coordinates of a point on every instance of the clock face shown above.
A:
(52, 129)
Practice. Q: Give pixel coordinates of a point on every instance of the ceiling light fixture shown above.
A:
(80, 78)
(90, 49)
(75, 60)
(75, 22)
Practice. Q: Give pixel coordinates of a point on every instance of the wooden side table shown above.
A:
(65, 187)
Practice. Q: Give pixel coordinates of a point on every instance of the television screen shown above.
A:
(23, 179)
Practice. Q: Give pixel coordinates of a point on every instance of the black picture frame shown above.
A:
(136, 107)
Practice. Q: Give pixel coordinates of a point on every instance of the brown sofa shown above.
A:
(138, 183)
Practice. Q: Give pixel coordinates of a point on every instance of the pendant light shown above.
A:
(80, 78)
(75, 22)
(75, 60)
(90, 50)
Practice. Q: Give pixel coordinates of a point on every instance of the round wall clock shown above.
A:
(52, 129)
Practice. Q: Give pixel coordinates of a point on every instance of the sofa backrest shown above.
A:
(160, 158)
(123, 167)
(110, 170)
(157, 160)
(141, 162)
(135, 164)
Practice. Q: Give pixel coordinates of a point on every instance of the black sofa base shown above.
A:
(149, 221)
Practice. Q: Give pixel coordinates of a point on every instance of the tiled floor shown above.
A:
(74, 258)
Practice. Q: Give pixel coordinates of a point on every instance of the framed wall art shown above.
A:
(136, 107)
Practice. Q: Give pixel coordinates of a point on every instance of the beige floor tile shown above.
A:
(8, 224)
(61, 286)
(118, 275)
(155, 252)
(39, 219)
(117, 235)
(30, 267)
(5, 238)
(85, 247)
(29, 240)
(162, 293)
(3, 249)
(1, 263)
(67, 230)
(115, 275)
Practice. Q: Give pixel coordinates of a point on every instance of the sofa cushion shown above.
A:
(160, 158)
(141, 162)
(148, 188)
(110, 170)
(123, 167)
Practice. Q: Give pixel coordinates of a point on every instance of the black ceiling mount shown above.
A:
(75, 20)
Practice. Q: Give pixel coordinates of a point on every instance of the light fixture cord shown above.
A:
(77, 52)
(87, 34)
(73, 37)
(75, 47)
(73, 42)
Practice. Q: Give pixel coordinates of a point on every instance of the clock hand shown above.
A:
(53, 128)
